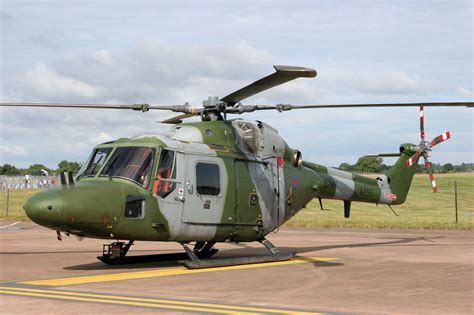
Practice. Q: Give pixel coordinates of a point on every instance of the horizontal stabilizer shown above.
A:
(384, 155)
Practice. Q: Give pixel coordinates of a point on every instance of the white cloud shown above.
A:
(179, 74)
(170, 54)
(46, 83)
(102, 137)
(469, 94)
(13, 150)
(393, 82)
(103, 56)
(149, 72)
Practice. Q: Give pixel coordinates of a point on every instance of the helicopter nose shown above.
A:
(44, 208)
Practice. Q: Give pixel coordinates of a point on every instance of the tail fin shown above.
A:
(400, 175)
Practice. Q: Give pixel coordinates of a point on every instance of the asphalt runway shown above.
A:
(336, 271)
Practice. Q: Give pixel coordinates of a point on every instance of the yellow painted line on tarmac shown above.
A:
(165, 272)
(128, 303)
(146, 302)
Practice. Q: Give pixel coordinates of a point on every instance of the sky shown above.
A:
(172, 52)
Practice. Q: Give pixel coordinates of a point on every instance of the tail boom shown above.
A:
(390, 188)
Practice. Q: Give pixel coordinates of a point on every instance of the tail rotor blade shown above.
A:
(430, 174)
(422, 123)
(442, 137)
(425, 148)
(413, 159)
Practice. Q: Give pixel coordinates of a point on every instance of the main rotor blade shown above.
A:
(285, 107)
(282, 75)
(139, 107)
(241, 109)
(88, 106)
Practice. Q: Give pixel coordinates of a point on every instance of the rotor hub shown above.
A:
(425, 148)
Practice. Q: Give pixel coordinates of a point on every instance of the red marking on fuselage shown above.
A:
(280, 161)
(390, 196)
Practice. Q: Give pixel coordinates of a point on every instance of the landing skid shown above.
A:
(196, 263)
(142, 259)
(114, 254)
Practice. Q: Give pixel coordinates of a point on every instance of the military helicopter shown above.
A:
(212, 181)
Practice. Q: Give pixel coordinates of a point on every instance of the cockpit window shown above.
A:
(133, 163)
(94, 163)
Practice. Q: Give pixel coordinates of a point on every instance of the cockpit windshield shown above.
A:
(133, 163)
(94, 163)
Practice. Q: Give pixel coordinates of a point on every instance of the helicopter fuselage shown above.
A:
(234, 180)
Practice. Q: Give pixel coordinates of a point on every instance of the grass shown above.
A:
(15, 206)
(423, 208)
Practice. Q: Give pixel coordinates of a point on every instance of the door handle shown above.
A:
(180, 196)
(189, 187)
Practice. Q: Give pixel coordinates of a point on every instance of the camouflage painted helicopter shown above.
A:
(212, 181)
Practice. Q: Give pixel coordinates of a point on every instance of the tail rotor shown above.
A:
(424, 149)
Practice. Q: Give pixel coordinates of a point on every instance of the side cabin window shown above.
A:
(165, 179)
(208, 180)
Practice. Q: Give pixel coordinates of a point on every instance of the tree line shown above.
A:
(39, 169)
(370, 164)
(366, 164)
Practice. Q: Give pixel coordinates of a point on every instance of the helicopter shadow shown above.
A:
(173, 259)
(303, 250)
(136, 262)
(62, 252)
(394, 242)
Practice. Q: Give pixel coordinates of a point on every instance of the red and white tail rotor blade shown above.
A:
(442, 137)
(430, 174)
(422, 123)
(425, 148)
(413, 159)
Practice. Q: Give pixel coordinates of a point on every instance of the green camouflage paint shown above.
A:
(265, 186)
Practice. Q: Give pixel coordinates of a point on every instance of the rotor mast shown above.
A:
(217, 109)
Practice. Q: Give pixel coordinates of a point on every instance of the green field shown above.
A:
(423, 208)
(16, 200)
